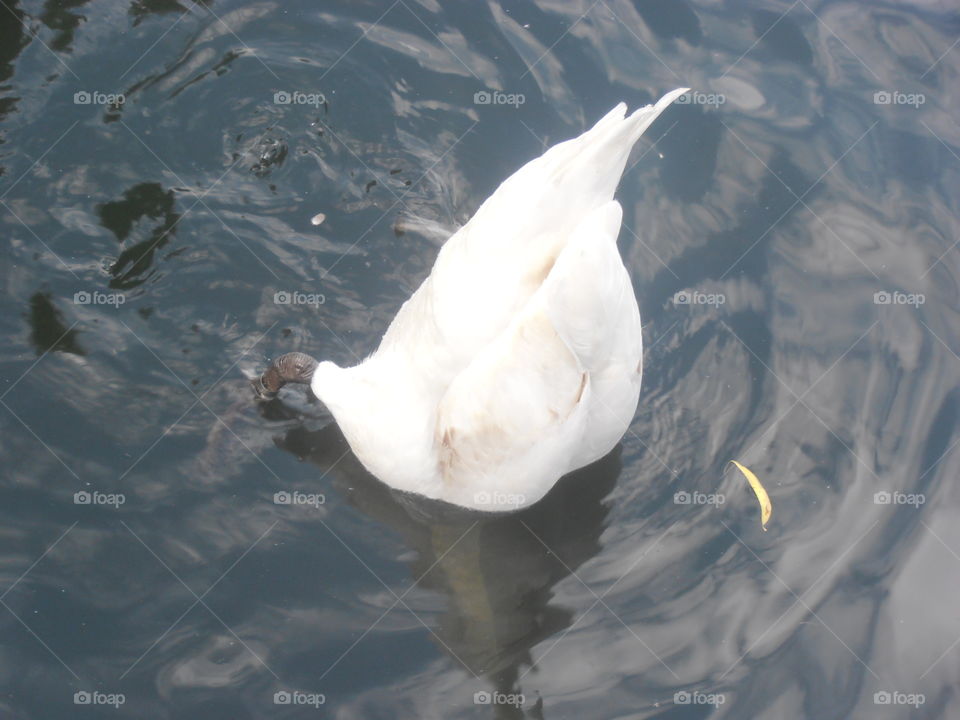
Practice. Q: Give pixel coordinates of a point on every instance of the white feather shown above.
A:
(518, 359)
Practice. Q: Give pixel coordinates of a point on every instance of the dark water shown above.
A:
(812, 223)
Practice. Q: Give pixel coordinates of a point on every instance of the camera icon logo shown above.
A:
(281, 298)
(282, 498)
(682, 297)
(882, 498)
(482, 498)
(82, 697)
(81, 298)
(681, 498)
(282, 697)
(282, 97)
(882, 97)
(482, 697)
(881, 298)
(82, 498)
(82, 98)
(681, 698)
(881, 698)
(684, 99)
(482, 97)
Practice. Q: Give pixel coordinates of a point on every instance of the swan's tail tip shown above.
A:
(673, 95)
(668, 98)
(644, 116)
(650, 111)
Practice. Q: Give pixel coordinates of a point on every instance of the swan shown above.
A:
(519, 358)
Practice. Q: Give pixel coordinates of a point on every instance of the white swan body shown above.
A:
(519, 358)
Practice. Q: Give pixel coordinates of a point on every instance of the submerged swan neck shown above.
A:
(295, 367)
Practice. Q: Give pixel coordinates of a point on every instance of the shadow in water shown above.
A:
(140, 10)
(496, 571)
(12, 40)
(48, 329)
(671, 19)
(123, 217)
(780, 37)
(59, 17)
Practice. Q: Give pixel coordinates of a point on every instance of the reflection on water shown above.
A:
(791, 233)
(496, 573)
(146, 200)
(48, 333)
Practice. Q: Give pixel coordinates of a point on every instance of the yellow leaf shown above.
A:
(766, 507)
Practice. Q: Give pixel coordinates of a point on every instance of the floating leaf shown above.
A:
(766, 507)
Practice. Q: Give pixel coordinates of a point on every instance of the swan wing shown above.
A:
(593, 306)
(490, 268)
(518, 414)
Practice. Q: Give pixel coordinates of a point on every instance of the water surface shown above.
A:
(791, 232)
